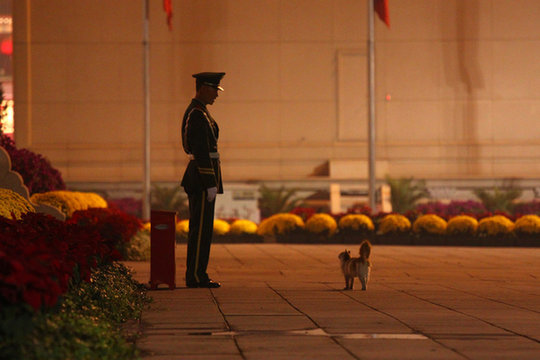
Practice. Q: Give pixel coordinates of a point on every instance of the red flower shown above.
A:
(40, 256)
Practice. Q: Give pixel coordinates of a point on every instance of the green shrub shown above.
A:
(71, 335)
(405, 192)
(139, 247)
(170, 199)
(112, 294)
(86, 324)
(277, 201)
(499, 199)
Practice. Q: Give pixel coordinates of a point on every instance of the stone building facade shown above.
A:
(457, 91)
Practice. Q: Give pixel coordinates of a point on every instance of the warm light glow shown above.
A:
(6, 24)
(6, 46)
(7, 119)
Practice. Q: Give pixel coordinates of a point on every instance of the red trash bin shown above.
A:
(162, 246)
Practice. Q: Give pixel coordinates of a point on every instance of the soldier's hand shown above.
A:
(211, 192)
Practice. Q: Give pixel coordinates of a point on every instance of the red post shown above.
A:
(162, 245)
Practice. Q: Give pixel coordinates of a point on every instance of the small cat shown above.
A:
(359, 267)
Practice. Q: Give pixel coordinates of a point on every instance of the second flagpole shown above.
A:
(371, 92)
(146, 90)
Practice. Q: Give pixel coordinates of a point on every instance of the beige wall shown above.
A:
(461, 78)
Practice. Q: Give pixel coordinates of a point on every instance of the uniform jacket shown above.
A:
(199, 138)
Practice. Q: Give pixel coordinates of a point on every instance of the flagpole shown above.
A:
(371, 122)
(146, 90)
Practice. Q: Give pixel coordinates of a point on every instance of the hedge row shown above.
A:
(62, 295)
(12, 204)
(326, 225)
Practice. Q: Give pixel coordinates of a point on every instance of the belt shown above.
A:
(213, 155)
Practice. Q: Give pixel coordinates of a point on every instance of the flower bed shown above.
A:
(69, 201)
(56, 281)
(394, 229)
(86, 324)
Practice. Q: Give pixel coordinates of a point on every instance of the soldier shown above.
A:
(202, 178)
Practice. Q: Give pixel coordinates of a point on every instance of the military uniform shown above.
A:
(200, 135)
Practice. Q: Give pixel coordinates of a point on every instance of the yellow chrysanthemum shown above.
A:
(321, 224)
(430, 224)
(528, 224)
(69, 201)
(280, 224)
(356, 222)
(495, 225)
(147, 226)
(12, 203)
(394, 223)
(94, 200)
(221, 227)
(182, 227)
(462, 225)
(243, 227)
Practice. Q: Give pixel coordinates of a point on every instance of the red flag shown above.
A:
(381, 8)
(167, 6)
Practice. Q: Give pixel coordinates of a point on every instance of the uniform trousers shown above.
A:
(201, 228)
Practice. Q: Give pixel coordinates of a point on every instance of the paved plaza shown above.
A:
(285, 301)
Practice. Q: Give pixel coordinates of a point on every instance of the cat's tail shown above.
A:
(365, 250)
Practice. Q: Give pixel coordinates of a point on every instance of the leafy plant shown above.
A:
(66, 335)
(112, 294)
(499, 199)
(274, 201)
(138, 248)
(85, 325)
(405, 192)
(170, 199)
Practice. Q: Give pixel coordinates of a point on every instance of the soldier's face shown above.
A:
(208, 94)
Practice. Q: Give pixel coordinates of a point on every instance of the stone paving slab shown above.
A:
(285, 301)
